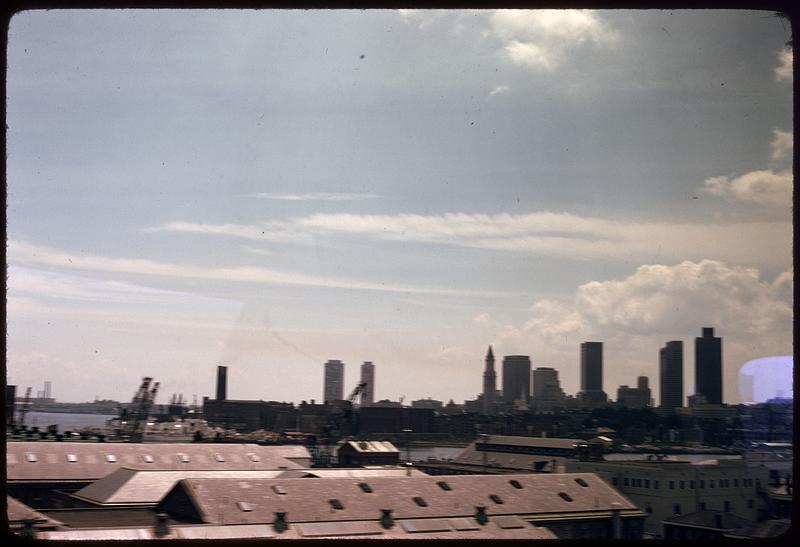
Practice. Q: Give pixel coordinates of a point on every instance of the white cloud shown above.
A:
(27, 253)
(782, 145)
(636, 315)
(319, 196)
(543, 39)
(783, 72)
(499, 89)
(265, 231)
(764, 187)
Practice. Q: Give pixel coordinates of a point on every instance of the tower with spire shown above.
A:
(489, 383)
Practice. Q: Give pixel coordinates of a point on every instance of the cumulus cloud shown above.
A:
(767, 187)
(21, 252)
(634, 316)
(542, 39)
(783, 72)
(318, 196)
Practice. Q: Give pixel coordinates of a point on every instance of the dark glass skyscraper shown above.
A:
(592, 373)
(516, 378)
(671, 369)
(708, 366)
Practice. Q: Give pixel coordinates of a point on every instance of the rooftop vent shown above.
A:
(336, 504)
(495, 498)
(278, 489)
(280, 525)
(111, 458)
(219, 457)
(582, 482)
(72, 458)
(419, 501)
(147, 458)
(444, 486)
(565, 496)
(386, 518)
(365, 487)
(515, 483)
(244, 506)
(184, 458)
(31, 457)
(480, 515)
(253, 457)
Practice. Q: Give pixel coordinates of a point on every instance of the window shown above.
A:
(111, 458)
(444, 486)
(676, 509)
(419, 501)
(672, 485)
(702, 483)
(495, 498)
(647, 483)
(682, 485)
(253, 457)
(691, 484)
(655, 484)
(614, 481)
(244, 506)
(336, 504)
(517, 485)
(30, 457)
(728, 507)
(625, 481)
(147, 458)
(582, 482)
(648, 508)
(735, 483)
(711, 483)
(751, 504)
(219, 457)
(564, 496)
(365, 487)
(184, 458)
(72, 458)
(702, 506)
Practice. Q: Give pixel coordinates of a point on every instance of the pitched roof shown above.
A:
(19, 512)
(129, 486)
(220, 500)
(81, 461)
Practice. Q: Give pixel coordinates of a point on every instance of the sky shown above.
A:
(268, 190)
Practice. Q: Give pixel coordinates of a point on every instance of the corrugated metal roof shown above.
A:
(91, 462)
(215, 499)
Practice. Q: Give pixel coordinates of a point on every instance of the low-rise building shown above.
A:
(664, 487)
(360, 453)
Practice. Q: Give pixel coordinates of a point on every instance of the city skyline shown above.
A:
(264, 189)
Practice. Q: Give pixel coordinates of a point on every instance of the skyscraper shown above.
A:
(368, 377)
(671, 371)
(334, 381)
(516, 378)
(489, 383)
(592, 373)
(222, 383)
(546, 387)
(708, 366)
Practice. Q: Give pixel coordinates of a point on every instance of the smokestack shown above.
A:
(222, 383)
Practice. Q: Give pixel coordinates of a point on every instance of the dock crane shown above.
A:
(331, 431)
(133, 419)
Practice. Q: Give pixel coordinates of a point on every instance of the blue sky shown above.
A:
(272, 189)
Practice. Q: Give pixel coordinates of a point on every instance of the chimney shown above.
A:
(222, 383)
(280, 525)
(480, 515)
(162, 526)
(386, 518)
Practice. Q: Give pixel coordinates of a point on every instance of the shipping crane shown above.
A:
(331, 431)
(133, 419)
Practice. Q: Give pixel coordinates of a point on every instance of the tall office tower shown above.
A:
(334, 381)
(489, 383)
(368, 377)
(671, 369)
(48, 385)
(708, 366)
(516, 378)
(546, 387)
(592, 373)
(222, 383)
